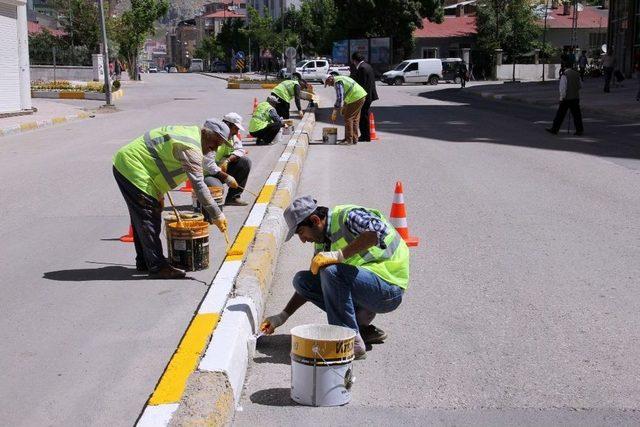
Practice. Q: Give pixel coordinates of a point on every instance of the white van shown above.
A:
(415, 71)
(196, 66)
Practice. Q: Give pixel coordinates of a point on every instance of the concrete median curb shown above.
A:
(213, 390)
(38, 124)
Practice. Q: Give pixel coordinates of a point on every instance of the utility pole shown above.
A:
(105, 55)
(283, 40)
(544, 35)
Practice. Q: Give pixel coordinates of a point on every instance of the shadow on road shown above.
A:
(273, 397)
(274, 349)
(102, 273)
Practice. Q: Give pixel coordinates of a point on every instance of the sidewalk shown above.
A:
(50, 112)
(620, 103)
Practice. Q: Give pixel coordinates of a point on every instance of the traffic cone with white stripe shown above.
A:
(187, 187)
(372, 128)
(398, 217)
(128, 238)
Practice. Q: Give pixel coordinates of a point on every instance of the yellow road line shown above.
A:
(185, 359)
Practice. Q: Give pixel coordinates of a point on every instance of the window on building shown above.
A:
(596, 40)
(429, 52)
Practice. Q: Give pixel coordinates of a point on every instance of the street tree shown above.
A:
(386, 18)
(133, 27)
(314, 23)
(509, 25)
(209, 49)
(232, 38)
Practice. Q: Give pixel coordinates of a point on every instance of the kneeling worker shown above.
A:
(360, 267)
(152, 165)
(265, 122)
(232, 159)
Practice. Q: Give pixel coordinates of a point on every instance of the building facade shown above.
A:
(623, 37)
(215, 14)
(15, 80)
(274, 7)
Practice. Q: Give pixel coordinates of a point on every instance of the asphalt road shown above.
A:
(83, 341)
(523, 303)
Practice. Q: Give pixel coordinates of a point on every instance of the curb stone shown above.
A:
(38, 124)
(213, 390)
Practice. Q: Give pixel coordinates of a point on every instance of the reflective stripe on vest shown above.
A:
(261, 118)
(151, 144)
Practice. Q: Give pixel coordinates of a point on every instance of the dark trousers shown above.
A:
(574, 106)
(608, 75)
(146, 219)
(365, 132)
(282, 107)
(265, 136)
(240, 171)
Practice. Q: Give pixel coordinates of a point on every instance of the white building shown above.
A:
(274, 6)
(15, 84)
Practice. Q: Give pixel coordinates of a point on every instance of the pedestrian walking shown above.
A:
(608, 65)
(582, 64)
(285, 92)
(360, 268)
(152, 165)
(570, 85)
(117, 69)
(463, 74)
(265, 122)
(349, 92)
(364, 75)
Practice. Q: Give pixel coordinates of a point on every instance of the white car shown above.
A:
(316, 70)
(153, 69)
(415, 71)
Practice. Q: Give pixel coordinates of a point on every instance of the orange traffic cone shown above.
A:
(372, 127)
(398, 217)
(128, 238)
(187, 187)
(255, 104)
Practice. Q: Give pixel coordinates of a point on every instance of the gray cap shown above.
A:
(298, 211)
(219, 127)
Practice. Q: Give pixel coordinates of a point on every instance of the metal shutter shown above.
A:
(9, 70)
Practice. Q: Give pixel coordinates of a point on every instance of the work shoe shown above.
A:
(578, 133)
(141, 266)
(359, 348)
(551, 131)
(167, 272)
(343, 142)
(361, 139)
(236, 202)
(372, 335)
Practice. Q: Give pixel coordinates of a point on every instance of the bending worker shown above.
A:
(152, 165)
(265, 122)
(284, 92)
(360, 267)
(353, 95)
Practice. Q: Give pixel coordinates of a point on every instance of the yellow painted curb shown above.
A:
(241, 244)
(28, 126)
(58, 120)
(268, 85)
(71, 95)
(233, 85)
(185, 359)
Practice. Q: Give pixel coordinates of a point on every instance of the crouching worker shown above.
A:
(232, 159)
(265, 122)
(152, 165)
(360, 268)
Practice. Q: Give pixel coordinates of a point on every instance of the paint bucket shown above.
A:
(185, 216)
(330, 135)
(321, 359)
(188, 244)
(289, 129)
(216, 192)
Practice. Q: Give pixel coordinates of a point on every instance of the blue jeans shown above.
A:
(341, 290)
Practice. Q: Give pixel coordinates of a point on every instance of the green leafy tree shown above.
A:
(385, 18)
(262, 31)
(209, 49)
(509, 25)
(133, 27)
(80, 20)
(232, 38)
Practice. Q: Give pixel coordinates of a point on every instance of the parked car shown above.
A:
(196, 66)
(315, 70)
(218, 67)
(415, 71)
(153, 69)
(450, 67)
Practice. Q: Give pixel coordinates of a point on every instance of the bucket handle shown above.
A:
(348, 378)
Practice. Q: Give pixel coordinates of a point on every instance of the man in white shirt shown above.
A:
(570, 85)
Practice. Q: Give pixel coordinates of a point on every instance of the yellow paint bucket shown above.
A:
(330, 135)
(188, 244)
(321, 364)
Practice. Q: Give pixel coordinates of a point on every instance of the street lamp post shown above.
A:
(544, 36)
(105, 55)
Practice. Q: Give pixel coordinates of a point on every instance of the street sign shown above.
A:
(290, 52)
(240, 64)
(240, 54)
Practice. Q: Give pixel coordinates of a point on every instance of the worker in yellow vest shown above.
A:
(265, 122)
(285, 92)
(152, 165)
(349, 92)
(360, 267)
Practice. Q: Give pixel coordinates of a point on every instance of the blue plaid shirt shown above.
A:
(360, 220)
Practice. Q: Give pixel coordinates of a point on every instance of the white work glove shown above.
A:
(272, 322)
(231, 182)
(323, 259)
(221, 223)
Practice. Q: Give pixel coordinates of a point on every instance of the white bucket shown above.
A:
(321, 365)
(330, 136)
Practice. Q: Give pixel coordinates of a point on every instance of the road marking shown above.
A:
(242, 242)
(266, 193)
(159, 415)
(185, 359)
